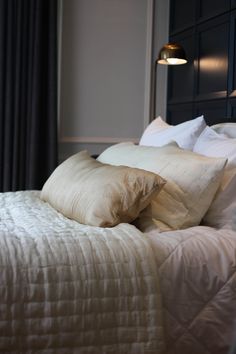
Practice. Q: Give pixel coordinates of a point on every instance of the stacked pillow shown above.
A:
(192, 181)
(210, 143)
(97, 194)
(159, 133)
(196, 136)
(125, 183)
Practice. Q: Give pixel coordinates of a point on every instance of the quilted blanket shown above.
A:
(198, 281)
(69, 288)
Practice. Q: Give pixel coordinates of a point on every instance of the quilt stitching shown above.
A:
(174, 250)
(134, 277)
(187, 329)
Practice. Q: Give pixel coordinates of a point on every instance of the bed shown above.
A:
(66, 287)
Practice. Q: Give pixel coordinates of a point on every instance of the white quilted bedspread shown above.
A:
(69, 288)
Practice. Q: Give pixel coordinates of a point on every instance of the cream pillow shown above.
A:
(93, 193)
(210, 143)
(159, 133)
(192, 181)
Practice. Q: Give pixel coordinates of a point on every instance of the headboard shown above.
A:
(228, 128)
(207, 83)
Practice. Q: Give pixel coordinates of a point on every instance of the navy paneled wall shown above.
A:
(207, 83)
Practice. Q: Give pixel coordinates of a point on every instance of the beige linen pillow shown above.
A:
(192, 181)
(93, 193)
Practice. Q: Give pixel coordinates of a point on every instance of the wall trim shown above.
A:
(96, 140)
(147, 110)
(148, 64)
(161, 36)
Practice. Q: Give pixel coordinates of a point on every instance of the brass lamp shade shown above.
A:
(172, 54)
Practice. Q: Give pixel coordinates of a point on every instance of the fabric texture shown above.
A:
(93, 193)
(198, 281)
(28, 93)
(227, 129)
(70, 288)
(210, 143)
(159, 133)
(192, 181)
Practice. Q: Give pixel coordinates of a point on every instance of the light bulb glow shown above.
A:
(176, 61)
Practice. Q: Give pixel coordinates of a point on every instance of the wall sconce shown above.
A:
(172, 54)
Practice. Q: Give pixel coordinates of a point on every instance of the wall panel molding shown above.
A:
(211, 54)
(148, 65)
(105, 60)
(96, 140)
(160, 37)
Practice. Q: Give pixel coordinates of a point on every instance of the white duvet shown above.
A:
(69, 288)
(197, 268)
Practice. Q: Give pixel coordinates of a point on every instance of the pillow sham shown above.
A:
(96, 194)
(159, 133)
(213, 144)
(192, 181)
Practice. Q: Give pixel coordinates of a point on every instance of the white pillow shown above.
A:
(213, 144)
(192, 181)
(159, 133)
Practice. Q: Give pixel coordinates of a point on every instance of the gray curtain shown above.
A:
(28, 93)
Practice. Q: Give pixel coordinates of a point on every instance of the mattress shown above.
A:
(71, 288)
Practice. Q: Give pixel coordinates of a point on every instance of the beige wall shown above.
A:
(105, 71)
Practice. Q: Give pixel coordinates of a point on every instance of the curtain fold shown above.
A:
(28, 93)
